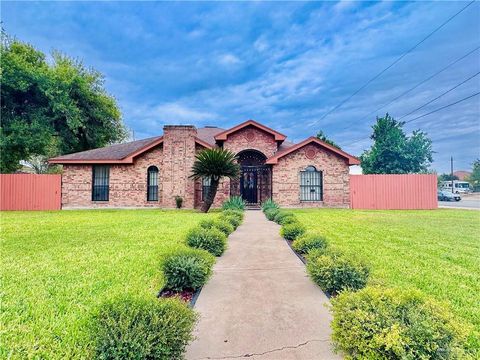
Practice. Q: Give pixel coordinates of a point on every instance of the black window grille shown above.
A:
(311, 187)
(100, 184)
(206, 183)
(152, 183)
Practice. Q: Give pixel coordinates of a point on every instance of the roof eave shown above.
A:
(223, 135)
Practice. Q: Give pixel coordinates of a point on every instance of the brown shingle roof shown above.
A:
(208, 133)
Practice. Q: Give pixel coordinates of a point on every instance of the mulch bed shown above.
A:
(186, 295)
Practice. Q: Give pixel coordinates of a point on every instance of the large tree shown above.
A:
(51, 108)
(393, 152)
(214, 164)
(322, 136)
(474, 177)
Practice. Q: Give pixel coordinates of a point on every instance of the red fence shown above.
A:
(30, 192)
(412, 191)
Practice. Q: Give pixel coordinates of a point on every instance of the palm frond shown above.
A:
(215, 163)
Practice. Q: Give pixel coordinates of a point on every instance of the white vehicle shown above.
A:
(459, 187)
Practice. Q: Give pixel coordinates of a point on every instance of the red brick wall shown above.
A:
(251, 138)
(128, 184)
(286, 178)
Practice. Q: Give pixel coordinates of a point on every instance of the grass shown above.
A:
(437, 251)
(58, 266)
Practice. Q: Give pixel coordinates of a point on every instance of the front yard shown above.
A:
(437, 251)
(58, 266)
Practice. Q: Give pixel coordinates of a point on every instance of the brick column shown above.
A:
(178, 158)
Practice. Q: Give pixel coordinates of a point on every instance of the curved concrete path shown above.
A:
(259, 303)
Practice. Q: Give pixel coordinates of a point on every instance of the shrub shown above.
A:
(315, 253)
(292, 231)
(282, 216)
(336, 273)
(234, 203)
(237, 213)
(221, 224)
(232, 219)
(187, 269)
(178, 201)
(289, 220)
(212, 240)
(270, 213)
(304, 244)
(376, 323)
(269, 204)
(131, 328)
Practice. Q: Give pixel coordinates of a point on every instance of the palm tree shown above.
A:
(214, 164)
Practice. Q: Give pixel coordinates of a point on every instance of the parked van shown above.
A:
(460, 187)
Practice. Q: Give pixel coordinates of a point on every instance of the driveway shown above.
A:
(260, 304)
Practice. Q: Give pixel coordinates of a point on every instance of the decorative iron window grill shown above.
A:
(311, 184)
(152, 183)
(206, 184)
(100, 183)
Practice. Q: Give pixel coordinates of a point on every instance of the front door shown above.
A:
(248, 184)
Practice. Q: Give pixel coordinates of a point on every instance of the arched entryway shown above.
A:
(255, 182)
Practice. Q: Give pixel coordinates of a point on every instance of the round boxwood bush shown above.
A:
(212, 240)
(305, 243)
(133, 328)
(336, 273)
(237, 213)
(281, 216)
(234, 220)
(221, 224)
(187, 269)
(292, 231)
(270, 213)
(376, 323)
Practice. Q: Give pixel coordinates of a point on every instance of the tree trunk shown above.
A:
(210, 196)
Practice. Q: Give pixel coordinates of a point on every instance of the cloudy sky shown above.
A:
(284, 64)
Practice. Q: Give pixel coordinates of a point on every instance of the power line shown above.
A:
(429, 113)
(414, 87)
(395, 62)
(439, 96)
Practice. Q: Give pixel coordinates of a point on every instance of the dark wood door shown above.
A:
(249, 185)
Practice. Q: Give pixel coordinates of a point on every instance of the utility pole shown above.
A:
(451, 172)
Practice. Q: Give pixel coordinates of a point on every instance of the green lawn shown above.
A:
(435, 251)
(57, 266)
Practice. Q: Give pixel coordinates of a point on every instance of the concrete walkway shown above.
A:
(259, 303)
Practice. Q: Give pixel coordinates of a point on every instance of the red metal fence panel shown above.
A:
(412, 191)
(30, 192)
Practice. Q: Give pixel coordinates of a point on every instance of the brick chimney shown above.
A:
(178, 158)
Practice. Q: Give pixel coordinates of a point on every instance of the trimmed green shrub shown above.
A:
(269, 204)
(289, 220)
(281, 216)
(232, 219)
(221, 224)
(336, 273)
(132, 328)
(237, 213)
(376, 323)
(292, 231)
(315, 253)
(305, 243)
(212, 240)
(234, 203)
(187, 269)
(270, 213)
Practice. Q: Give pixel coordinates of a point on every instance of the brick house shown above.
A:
(151, 172)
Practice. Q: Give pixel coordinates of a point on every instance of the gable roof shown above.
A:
(223, 135)
(208, 133)
(352, 160)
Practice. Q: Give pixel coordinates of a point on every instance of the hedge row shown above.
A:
(372, 322)
(138, 328)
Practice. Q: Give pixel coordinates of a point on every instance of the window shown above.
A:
(311, 188)
(206, 182)
(101, 178)
(152, 183)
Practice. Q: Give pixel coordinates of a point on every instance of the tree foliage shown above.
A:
(474, 177)
(51, 107)
(447, 177)
(393, 152)
(214, 164)
(322, 136)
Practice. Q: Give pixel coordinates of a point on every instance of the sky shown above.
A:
(284, 64)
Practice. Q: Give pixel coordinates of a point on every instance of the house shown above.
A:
(151, 172)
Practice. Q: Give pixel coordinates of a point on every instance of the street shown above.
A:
(469, 201)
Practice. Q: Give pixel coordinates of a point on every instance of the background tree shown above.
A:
(393, 152)
(447, 177)
(322, 136)
(214, 164)
(474, 178)
(51, 108)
